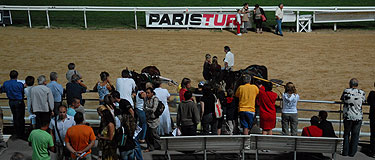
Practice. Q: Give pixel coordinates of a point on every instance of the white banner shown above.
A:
(191, 19)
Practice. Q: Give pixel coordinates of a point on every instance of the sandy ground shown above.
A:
(319, 63)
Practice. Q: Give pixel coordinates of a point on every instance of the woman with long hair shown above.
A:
(103, 87)
(185, 85)
(289, 114)
(151, 104)
(258, 18)
(208, 111)
(107, 144)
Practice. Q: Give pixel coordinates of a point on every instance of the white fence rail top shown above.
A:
(187, 8)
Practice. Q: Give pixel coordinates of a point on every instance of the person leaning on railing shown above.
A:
(289, 114)
(352, 113)
(15, 90)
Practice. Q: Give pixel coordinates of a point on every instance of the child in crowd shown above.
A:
(238, 22)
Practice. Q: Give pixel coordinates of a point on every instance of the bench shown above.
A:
(205, 143)
(296, 144)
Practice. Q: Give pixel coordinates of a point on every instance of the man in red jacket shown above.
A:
(313, 130)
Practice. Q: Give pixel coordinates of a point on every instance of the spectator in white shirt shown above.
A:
(126, 86)
(289, 110)
(58, 130)
(165, 126)
(279, 18)
(229, 59)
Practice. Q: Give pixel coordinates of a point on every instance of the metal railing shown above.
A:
(85, 9)
(96, 122)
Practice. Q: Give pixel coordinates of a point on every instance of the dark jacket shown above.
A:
(206, 71)
(327, 128)
(371, 102)
(261, 11)
(187, 114)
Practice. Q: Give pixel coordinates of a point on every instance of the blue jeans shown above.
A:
(247, 119)
(127, 155)
(138, 150)
(278, 28)
(351, 128)
(142, 123)
(18, 111)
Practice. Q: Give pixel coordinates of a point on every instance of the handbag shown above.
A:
(263, 18)
(218, 110)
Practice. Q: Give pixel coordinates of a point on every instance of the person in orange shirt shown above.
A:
(80, 138)
(247, 94)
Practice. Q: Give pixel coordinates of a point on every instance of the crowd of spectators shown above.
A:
(62, 128)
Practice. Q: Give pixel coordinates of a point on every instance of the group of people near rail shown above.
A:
(259, 16)
(131, 114)
(127, 115)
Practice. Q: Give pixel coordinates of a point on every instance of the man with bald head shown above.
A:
(352, 98)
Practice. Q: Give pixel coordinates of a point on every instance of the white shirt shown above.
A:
(139, 101)
(238, 18)
(229, 58)
(126, 86)
(162, 95)
(279, 13)
(290, 103)
(63, 126)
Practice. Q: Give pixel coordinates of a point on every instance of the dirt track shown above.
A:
(319, 63)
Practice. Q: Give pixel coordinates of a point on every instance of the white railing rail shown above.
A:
(9, 118)
(85, 9)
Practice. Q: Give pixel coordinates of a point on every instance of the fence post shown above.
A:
(28, 13)
(10, 17)
(297, 21)
(48, 24)
(135, 18)
(334, 25)
(84, 17)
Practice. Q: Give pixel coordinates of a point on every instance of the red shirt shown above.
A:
(266, 102)
(315, 131)
(182, 92)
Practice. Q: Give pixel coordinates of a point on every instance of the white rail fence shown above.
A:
(95, 122)
(366, 13)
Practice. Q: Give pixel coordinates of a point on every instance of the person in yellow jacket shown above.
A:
(247, 94)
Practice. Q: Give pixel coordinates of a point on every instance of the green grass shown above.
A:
(126, 19)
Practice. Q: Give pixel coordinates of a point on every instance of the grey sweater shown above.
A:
(41, 99)
(187, 114)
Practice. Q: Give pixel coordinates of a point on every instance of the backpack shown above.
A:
(159, 110)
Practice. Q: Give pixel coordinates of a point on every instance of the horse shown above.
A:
(149, 74)
(232, 79)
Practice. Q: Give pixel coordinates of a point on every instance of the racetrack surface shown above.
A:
(320, 64)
